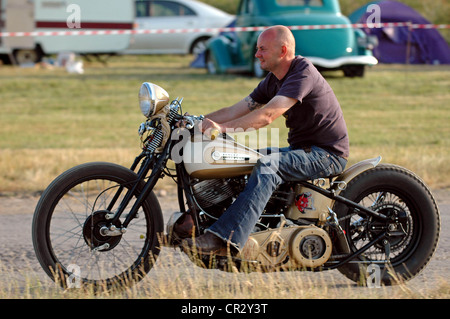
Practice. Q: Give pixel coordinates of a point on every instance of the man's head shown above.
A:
(275, 48)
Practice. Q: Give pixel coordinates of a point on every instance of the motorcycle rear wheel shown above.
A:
(414, 224)
(66, 229)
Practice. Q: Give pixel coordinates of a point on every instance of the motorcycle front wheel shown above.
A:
(412, 224)
(67, 222)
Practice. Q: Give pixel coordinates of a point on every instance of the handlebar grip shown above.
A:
(214, 134)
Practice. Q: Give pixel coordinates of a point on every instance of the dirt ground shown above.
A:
(17, 257)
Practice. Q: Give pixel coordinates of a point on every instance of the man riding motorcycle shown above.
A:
(318, 138)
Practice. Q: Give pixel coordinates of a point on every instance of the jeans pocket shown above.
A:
(324, 166)
(327, 171)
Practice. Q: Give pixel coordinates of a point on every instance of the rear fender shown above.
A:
(353, 171)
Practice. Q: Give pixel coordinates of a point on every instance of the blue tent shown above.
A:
(399, 44)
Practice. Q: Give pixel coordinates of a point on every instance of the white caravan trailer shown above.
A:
(63, 15)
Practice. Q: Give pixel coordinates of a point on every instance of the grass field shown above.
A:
(51, 120)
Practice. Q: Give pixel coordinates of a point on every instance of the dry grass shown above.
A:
(52, 121)
(30, 171)
(175, 277)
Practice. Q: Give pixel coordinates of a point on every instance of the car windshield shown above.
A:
(303, 3)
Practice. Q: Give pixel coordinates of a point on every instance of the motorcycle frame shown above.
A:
(148, 161)
(331, 194)
(158, 163)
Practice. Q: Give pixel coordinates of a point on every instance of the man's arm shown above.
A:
(260, 117)
(235, 111)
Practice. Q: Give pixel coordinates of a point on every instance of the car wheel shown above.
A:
(257, 71)
(199, 45)
(352, 71)
(210, 63)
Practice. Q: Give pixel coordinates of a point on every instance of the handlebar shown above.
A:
(192, 120)
(214, 134)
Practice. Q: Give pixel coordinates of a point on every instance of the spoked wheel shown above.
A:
(69, 226)
(412, 223)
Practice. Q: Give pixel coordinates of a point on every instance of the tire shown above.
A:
(66, 223)
(210, 62)
(27, 56)
(256, 69)
(199, 46)
(352, 71)
(396, 192)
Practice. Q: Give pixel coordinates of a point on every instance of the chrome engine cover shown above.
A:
(291, 247)
(310, 247)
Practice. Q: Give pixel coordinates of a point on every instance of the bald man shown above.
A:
(318, 138)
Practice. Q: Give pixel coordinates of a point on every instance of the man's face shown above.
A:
(268, 51)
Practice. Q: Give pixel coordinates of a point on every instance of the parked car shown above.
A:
(329, 49)
(175, 14)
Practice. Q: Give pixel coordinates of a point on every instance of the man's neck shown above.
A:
(283, 68)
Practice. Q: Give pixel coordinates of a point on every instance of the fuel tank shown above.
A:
(219, 158)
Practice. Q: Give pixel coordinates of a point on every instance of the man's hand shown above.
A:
(210, 127)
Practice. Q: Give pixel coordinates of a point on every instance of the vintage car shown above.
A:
(329, 48)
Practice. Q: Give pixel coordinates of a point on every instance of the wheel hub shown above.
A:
(92, 232)
(396, 225)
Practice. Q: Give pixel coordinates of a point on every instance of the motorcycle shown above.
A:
(101, 224)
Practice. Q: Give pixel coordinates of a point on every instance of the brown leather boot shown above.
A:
(206, 244)
(184, 226)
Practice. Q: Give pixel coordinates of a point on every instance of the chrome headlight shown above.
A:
(152, 98)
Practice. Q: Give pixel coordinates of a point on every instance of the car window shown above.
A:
(305, 3)
(142, 9)
(162, 9)
(246, 7)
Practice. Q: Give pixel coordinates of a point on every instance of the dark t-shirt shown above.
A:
(316, 119)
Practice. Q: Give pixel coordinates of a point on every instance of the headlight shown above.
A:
(152, 98)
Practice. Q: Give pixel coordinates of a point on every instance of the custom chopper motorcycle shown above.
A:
(101, 224)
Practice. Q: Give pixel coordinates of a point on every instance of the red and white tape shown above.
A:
(75, 32)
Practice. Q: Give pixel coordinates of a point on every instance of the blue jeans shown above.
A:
(287, 165)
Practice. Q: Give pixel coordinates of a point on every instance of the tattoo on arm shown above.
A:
(252, 104)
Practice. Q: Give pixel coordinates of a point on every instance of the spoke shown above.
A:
(379, 199)
(362, 229)
(67, 226)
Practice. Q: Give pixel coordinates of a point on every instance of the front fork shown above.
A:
(156, 163)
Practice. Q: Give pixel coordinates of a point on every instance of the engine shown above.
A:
(292, 247)
(215, 195)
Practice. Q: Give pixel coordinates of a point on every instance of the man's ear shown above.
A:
(284, 51)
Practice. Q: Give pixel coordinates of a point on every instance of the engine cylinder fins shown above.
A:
(310, 247)
(212, 192)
